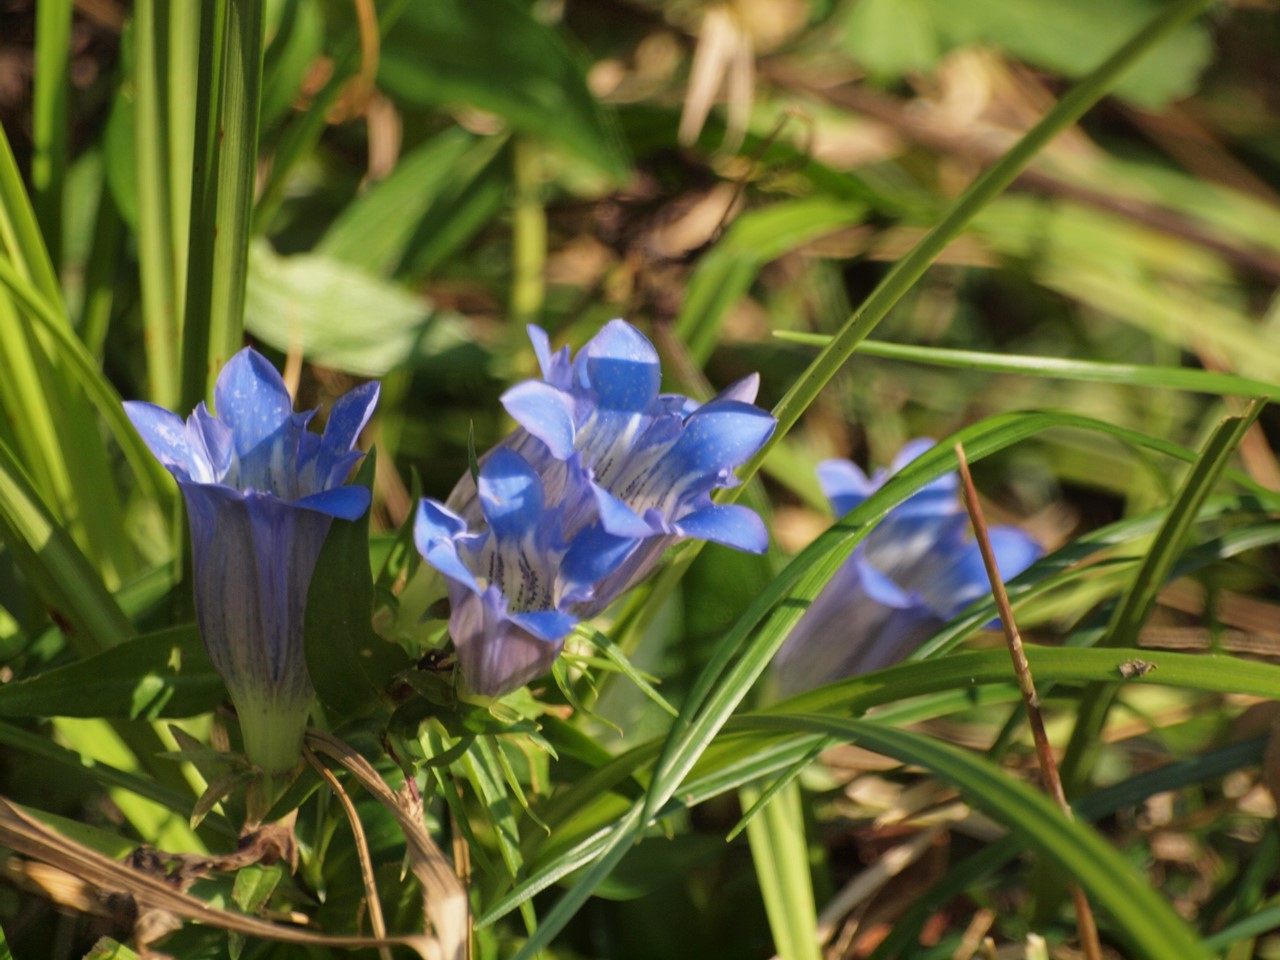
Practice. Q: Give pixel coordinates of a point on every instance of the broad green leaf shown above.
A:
(349, 664)
(892, 37)
(373, 232)
(164, 674)
(340, 316)
(725, 274)
(494, 55)
(109, 949)
(1071, 37)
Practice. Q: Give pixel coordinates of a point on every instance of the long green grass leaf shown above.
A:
(236, 168)
(990, 184)
(1143, 919)
(1089, 371)
(54, 564)
(781, 859)
(50, 118)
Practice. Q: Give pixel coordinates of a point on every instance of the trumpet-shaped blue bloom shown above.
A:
(620, 470)
(916, 570)
(261, 491)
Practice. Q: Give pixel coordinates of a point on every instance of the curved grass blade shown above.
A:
(755, 238)
(962, 875)
(1143, 919)
(1089, 371)
(154, 481)
(990, 184)
(781, 859)
(582, 818)
(1139, 600)
(55, 565)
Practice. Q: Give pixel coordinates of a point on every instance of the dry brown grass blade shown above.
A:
(156, 899)
(444, 899)
(376, 920)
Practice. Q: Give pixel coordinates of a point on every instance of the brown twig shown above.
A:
(376, 920)
(1030, 699)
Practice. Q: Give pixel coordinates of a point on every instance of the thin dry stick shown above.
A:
(362, 850)
(1030, 699)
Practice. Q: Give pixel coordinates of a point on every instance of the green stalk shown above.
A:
(202, 221)
(50, 118)
(529, 235)
(156, 264)
(184, 47)
(100, 274)
(236, 171)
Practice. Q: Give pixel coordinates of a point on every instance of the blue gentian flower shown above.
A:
(261, 491)
(915, 571)
(618, 472)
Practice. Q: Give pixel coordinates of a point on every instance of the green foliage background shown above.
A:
(1049, 230)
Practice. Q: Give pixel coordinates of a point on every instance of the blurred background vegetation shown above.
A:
(432, 176)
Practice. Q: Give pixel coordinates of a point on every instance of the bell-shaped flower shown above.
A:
(622, 472)
(651, 460)
(515, 585)
(261, 491)
(915, 571)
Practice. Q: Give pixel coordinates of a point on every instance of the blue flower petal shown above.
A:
(881, 588)
(1015, 550)
(215, 438)
(622, 367)
(844, 485)
(436, 530)
(498, 653)
(251, 399)
(732, 525)
(718, 437)
(618, 518)
(348, 417)
(510, 493)
(168, 439)
(594, 554)
(744, 390)
(548, 625)
(556, 367)
(545, 412)
(346, 503)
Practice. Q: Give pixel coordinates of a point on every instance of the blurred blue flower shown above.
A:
(915, 571)
(618, 473)
(261, 491)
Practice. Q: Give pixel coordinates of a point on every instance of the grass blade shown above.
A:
(50, 118)
(1089, 371)
(990, 184)
(1144, 919)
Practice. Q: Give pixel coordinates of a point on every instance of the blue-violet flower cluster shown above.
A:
(915, 571)
(579, 503)
(261, 491)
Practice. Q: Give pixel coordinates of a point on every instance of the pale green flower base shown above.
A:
(272, 732)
